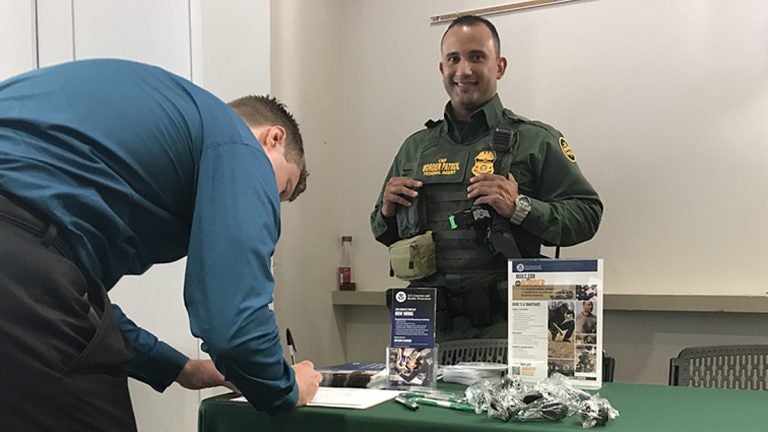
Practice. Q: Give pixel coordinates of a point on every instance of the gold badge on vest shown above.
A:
(484, 162)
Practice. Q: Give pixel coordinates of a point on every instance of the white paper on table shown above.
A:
(342, 397)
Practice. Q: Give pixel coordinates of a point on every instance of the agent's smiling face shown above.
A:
(470, 67)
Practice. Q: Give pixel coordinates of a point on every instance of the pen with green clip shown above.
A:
(409, 403)
(448, 397)
(444, 404)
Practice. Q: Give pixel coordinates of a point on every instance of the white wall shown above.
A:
(17, 37)
(663, 102)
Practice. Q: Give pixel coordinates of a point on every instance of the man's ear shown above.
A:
(501, 67)
(276, 136)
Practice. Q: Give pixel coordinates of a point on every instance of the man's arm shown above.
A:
(566, 209)
(397, 191)
(156, 363)
(229, 284)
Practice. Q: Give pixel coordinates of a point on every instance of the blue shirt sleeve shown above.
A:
(229, 284)
(156, 363)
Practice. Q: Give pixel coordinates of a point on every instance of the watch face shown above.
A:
(523, 206)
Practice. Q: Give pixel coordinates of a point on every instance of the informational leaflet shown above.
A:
(556, 319)
(411, 354)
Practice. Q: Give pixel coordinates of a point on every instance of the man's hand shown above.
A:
(395, 193)
(200, 374)
(496, 191)
(308, 380)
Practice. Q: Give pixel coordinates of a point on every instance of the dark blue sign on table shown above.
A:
(413, 317)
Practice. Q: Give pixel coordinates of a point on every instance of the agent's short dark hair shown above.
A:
(474, 20)
(258, 111)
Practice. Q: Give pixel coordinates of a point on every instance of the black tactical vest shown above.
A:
(463, 257)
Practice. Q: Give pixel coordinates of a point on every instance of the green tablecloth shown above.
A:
(641, 407)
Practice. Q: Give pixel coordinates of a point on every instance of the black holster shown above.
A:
(478, 303)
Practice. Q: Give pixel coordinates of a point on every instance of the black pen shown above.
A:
(291, 345)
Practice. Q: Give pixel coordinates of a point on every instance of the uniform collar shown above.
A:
(485, 118)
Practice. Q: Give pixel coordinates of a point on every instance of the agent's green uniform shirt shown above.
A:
(566, 208)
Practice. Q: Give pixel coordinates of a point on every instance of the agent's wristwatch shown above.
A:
(523, 206)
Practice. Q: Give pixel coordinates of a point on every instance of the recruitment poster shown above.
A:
(556, 319)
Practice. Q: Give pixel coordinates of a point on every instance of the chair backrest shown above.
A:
(494, 351)
(727, 366)
(473, 350)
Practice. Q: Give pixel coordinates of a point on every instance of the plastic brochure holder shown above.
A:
(412, 367)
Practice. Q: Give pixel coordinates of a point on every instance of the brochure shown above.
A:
(354, 374)
(556, 319)
(411, 367)
(411, 357)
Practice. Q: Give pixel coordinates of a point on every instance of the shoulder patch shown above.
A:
(567, 150)
(432, 123)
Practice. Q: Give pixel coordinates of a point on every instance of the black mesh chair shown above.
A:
(494, 351)
(728, 366)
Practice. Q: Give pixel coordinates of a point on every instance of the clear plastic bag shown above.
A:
(552, 399)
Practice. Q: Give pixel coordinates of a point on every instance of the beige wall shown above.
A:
(307, 76)
(361, 75)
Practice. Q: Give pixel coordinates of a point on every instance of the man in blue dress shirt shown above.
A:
(106, 168)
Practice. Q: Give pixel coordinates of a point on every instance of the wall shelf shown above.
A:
(614, 302)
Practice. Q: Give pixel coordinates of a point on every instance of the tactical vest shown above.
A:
(463, 260)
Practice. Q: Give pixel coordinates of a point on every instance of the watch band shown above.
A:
(523, 206)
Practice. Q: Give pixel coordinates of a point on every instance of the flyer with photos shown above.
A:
(556, 319)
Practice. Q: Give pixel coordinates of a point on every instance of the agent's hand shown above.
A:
(200, 374)
(308, 380)
(395, 193)
(496, 191)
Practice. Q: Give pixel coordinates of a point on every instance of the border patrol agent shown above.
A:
(477, 188)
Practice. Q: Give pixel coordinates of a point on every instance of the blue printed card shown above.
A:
(413, 317)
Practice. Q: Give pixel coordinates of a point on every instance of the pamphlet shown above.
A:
(556, 319)
(354, 374)
(411, 355)
(411, 366)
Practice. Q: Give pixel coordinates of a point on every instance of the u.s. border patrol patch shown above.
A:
(567, 150)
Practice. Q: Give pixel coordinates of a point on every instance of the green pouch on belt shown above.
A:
(413, 258)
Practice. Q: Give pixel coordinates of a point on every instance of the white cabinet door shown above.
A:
(17, 37)
(149, 31)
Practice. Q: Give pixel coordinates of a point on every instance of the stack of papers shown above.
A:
(341, 397)
(468, 373)
(355, 398)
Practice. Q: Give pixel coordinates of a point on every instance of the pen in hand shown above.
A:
(291, 345)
